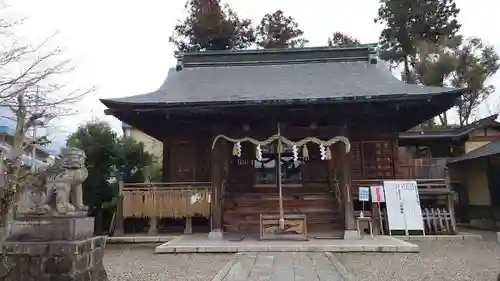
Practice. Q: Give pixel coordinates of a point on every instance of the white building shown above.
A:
(42, 158)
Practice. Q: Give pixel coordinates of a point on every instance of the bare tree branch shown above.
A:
(31, 88)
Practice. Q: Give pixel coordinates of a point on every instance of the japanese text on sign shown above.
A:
(364, 194)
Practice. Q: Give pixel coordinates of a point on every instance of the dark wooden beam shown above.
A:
(349, 220)
(217, 174)
(167, 158)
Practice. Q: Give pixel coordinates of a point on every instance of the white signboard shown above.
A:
(403, 206)
(377, 193)
(364, 194)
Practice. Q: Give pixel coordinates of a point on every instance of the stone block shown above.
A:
(97, 256)
(99, 242)
(62, 260)
(83, 262)
(51, 229)
(164, 249)
(389, 249)
(351, 235)
(337, 248)
(221, 249)
(408, 249)
(185, 249)
(369, 248)
(215, 234)
(253, 248)
(283, 248)
(350, 248)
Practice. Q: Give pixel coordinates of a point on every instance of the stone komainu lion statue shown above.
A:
(56, 190)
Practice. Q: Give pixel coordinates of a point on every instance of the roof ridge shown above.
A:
(275, 50)
(277, 56)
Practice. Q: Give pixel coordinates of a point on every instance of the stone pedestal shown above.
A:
(188, 229)
(153, 226)
(53, 249)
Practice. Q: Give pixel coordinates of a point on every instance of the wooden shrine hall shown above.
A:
(284, 137)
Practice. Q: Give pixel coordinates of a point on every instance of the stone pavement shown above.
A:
(201, 243)
(281, 266)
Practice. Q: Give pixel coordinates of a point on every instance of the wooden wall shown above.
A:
(186, 159)
(318, 196)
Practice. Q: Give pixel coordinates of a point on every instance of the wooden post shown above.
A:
(153, 223)
(166, 160)
(188, 229)
(349, 219)
(216, 179)
(119, 211)
(153, 226)
(451, 199)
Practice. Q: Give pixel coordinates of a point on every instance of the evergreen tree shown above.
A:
(475, 63)
(434, 65)
(107, 155)
(279, 31)
(210, 26)
(340, 39)
(408, 22)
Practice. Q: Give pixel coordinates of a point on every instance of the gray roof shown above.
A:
(490, 149)
(311, 74)
(452, 133)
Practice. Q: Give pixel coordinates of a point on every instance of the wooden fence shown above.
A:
(173, 200)
(427, 168)
(436, 221)
(160, 200)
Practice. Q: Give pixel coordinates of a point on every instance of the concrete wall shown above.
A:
(476, 180)
(151, 144)
(472, 145)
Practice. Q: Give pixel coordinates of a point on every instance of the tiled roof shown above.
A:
(451, 133)
(278, 76)
(489, 149)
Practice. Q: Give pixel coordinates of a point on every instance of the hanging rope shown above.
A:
(326, 153)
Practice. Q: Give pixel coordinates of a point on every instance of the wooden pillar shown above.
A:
(188, 229)
(349, 219)
(153, 223)
(216, 194)
(166, 160)
(451, 200)
(153, 226)
(119, 211)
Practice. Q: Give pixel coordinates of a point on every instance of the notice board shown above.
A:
(403, 205)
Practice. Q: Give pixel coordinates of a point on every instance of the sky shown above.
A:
(121, 46)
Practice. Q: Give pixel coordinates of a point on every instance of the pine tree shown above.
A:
(409, 22)
(211, 26)
(279, 31)
(340, 39)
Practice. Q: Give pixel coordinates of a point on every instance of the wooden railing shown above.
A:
(173, 199)
(422, 168)
(425, 186)
(166, 186)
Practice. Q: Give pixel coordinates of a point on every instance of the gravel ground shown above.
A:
(139, 263)
(437, 260)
